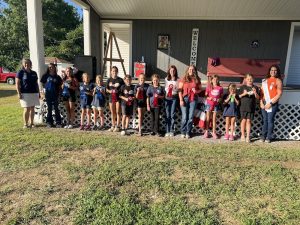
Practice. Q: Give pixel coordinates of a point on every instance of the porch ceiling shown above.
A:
(198, 9)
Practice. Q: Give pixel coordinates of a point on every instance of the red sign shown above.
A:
(139, 68)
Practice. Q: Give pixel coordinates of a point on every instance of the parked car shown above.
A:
(6, 76)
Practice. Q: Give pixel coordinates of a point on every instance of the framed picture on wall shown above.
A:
(163, 41)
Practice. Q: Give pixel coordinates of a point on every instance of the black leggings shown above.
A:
(154, 119)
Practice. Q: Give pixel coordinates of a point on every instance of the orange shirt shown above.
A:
(272, 87)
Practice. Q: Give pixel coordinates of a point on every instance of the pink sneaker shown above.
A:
(226, 137)
(231, 138)
(205, 134)
(215, 136)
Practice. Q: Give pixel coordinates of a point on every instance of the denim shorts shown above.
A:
(216, 108)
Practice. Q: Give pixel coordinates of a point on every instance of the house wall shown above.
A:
(96, 38)
(216, 39)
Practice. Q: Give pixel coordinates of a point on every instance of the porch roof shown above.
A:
(197, 9)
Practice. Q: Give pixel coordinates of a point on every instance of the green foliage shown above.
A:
(63, 35)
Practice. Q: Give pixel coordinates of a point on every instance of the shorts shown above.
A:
(86, 104)
(141, 103)
(71, 98)
(98, 108)
(247, 115)
(216, 108)
(29, 100)
(127, 110)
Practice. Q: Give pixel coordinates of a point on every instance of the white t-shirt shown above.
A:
(171, 84)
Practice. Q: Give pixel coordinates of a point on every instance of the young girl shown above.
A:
(86, 98)
(188, 89)
(155, 94)
(127, 96)
(113, 86)
(214, 93)
(98, 102)
(70, 85)
(140, 91)
(248, 94)
(171, 100)
(231, 102)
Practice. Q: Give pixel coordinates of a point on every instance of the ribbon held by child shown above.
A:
(170, 91)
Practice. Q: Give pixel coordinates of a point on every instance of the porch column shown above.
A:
(87, 31)
(35, 34)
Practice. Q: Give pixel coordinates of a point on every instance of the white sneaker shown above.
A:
(182, 136)
(171, 134)
(66, 127)
(123, 133)
(111, 129)
(167, 135)
(187, 136)
(70, 126)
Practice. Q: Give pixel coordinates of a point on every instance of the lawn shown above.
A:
(57, 176)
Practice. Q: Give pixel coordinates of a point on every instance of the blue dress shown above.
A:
(230, 109)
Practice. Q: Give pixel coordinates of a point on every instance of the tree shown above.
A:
(62, 31)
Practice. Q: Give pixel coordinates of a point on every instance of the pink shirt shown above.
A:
(215, 93)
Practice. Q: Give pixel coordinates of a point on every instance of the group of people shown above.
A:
(122, 95)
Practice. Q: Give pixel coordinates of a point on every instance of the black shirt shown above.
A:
(248, 102)
(114, 84)
(28, 81)
(52, 84)
(126, 91)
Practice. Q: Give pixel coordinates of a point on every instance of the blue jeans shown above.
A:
(53, 103)
(187, 116)
(170, 105)
(268, 122)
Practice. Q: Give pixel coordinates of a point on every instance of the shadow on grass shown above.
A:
(7, 93)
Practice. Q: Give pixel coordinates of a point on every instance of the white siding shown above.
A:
(122, 36)
(294, 66)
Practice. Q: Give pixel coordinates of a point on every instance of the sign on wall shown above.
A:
(194, 46)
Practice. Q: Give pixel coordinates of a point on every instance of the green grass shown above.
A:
(57, 176)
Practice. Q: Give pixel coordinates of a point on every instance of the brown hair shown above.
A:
(169, 77)
(71, 73)
(188, 78)
(127, 76)
(214, 76)
(116, 68)
(278, 74)
(48, 70)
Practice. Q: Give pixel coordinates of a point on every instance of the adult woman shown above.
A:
(69, 86)
(189, 87)
(28, 91)
(171, 99)
(272, 91)
(52, 87)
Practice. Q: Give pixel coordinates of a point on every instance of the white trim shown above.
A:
(118, 17)
(87, 31)
(288, 56)
(130, 40)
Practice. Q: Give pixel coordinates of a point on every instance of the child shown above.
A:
(248, 94)
(155, 94)
(86, 98)
(69, 87)
(98, 102)
(113, 86)
(214, 93)
(52, 88)
(171, 100)
(140, 91)
(231, 102)
(127, 96)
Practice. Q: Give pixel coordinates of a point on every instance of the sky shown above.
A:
(79, 10)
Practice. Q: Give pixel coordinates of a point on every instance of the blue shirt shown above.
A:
(151, 91)
(28, 81)
(52, 85)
